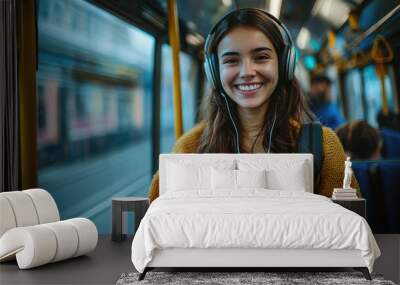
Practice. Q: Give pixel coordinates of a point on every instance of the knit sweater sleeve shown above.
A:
(332, 170)
(187, 143)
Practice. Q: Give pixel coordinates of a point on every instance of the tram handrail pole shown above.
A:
(375, 27)
(173, 32)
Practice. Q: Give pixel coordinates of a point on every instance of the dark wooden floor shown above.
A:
(110, 259)
(102, 266)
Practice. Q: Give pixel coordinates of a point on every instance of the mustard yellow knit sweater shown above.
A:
(331, 175)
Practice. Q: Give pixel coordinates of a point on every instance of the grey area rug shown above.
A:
(228, 278)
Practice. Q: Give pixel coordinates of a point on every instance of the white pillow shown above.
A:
(280, 174)
(292, 179)
(177, 177)
(251, 178)
(223, 179)
(235, 179)
(182, 177)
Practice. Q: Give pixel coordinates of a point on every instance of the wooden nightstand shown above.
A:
(358, 206)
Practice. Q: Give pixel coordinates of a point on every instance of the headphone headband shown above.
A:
(287, 38)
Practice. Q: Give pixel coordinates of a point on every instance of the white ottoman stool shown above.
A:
(31, 232)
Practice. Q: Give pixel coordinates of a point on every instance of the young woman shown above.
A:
(256, 105)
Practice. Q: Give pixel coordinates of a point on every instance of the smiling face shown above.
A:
(248, 65)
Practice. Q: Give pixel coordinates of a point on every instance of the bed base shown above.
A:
(364, 270)
(242, 259)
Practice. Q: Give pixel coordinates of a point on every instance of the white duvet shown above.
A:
(253, 218)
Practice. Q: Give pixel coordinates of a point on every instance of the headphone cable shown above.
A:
(233, 122)
(270, 133)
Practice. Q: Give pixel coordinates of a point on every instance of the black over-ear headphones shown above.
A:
(287, 61)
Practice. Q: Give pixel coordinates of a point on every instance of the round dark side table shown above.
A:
(138, 205)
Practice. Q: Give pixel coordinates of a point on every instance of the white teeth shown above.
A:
(248, 87)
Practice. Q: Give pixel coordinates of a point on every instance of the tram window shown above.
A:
(353, 95)
(94, 105)
(189, 76)
(373, 94)
(335, 89)
(188, 70)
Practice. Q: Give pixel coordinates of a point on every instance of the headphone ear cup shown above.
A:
(208, 72)
(211, 71)
(283, 65)
(291, 63)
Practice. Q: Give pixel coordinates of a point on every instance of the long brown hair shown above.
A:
(287, 102)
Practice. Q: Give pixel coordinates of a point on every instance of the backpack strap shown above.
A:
(310, 141)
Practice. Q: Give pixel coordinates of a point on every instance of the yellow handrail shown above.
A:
(173, 32)
(380, 58)
(377, 52)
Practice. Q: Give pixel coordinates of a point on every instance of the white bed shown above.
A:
(247, 210)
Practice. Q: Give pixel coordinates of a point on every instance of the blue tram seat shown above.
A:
(366, 174)
(390, 183)
(361, 171)
(380, 185)
(391, 143)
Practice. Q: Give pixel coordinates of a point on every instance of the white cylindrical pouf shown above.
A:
(67, 240)
(31, 232)
(34, 245)
(7, 218)
(24, 210)
(87, 233)
(45, 205)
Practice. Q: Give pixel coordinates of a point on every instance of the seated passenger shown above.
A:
(360, 140)
(321, 102)
(256, 105)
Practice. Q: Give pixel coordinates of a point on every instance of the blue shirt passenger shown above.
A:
(321, 104)
(328, 114)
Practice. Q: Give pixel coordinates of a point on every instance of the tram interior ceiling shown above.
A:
(94, 92)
